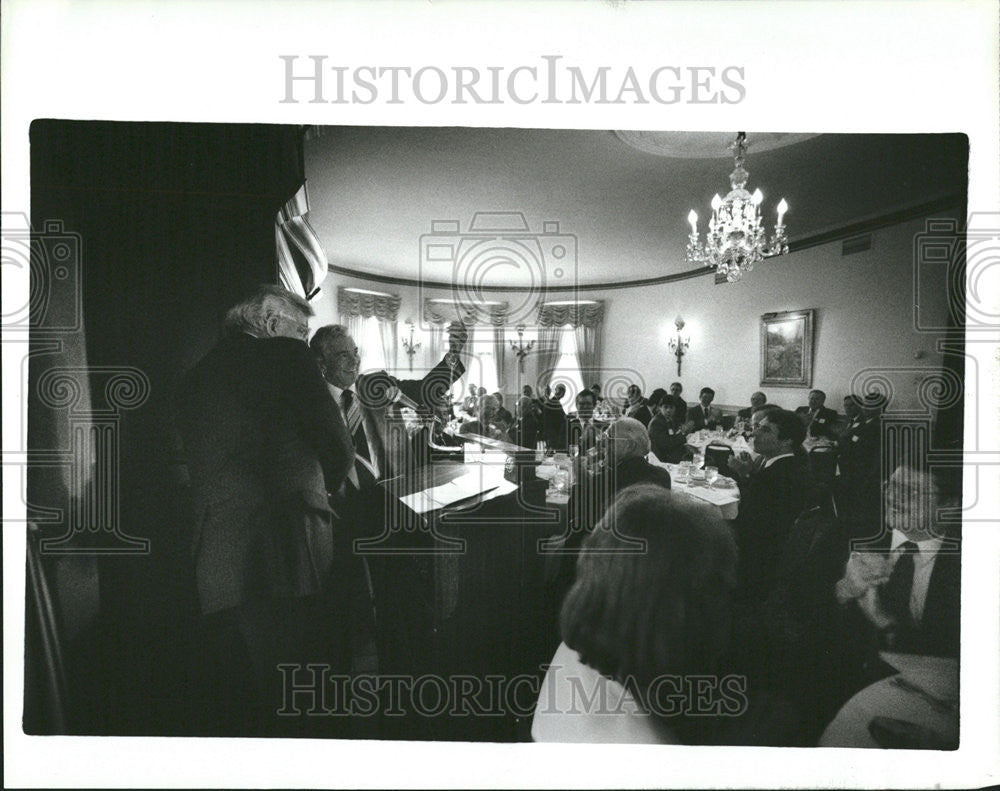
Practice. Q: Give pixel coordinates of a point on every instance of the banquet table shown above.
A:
(924, 692)
(724, 497)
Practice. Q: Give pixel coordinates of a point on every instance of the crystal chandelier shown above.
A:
(736, 239)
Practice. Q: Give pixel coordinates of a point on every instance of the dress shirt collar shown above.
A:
(773, 459)
(338, 392)
(929, 546)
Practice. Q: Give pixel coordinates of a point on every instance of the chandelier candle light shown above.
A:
(736, 239)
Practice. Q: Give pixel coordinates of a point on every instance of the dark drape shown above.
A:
(175, 223)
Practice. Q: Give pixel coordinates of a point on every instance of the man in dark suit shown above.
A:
(263, 449)
(818, 419)
(680, 416)
(858, 482)
(380, 449)
(770, 501)
(637, 408)
(703, 414)
(583, 433)
(666, 439)
(554, 419)
(757, 400)
(907, 584)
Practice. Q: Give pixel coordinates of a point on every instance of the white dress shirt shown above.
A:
(923, 567)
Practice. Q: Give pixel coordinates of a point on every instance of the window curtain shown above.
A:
(385, 307)
(499, 339)
(587, 321)
(547, 354)
(390, 342)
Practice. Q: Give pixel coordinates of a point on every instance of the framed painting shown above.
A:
(786, 344)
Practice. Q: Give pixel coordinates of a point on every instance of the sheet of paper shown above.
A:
(479, 480)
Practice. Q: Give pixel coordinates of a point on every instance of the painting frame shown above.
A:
(786, 348)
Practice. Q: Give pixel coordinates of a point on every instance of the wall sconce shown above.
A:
(520, 349)
(409, 345)
(680, 344)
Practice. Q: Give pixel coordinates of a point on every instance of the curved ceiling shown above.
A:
(519, 204)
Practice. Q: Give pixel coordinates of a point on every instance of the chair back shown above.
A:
(823, 464)
(718, 456)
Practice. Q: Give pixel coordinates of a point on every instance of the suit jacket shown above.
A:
(383, 427)
(640, 412)
(697, 415)
(821, 424)
(770, 502)
(554, 425)
(580, 435)
(666, 441)
(263, 449)
(745, 414)
(859, 485)
(526, 431)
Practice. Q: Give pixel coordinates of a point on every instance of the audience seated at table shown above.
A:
(654, 400)
(757, 400)
(632, 618)
(637, 407)
(703, 414)
(582, 432)
(666, 439)
(527, 427)
(503, 415)
(468, 404)
(818, 419)
(485, 424)
(676, 388)
(771, 500)
(554, 419)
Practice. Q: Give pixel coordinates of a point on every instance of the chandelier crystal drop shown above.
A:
(736, 239)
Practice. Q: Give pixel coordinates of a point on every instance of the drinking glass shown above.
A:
(711, 475)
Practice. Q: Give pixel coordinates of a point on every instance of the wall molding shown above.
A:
(926, 209)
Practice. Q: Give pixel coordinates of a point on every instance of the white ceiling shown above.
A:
(376, 193)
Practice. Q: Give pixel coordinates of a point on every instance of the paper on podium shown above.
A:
(480, 480)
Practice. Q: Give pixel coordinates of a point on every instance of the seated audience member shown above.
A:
(854, 415)
(742, 465)
(818, 419)
(468, 404)
(654, 400)
(595, 388)
(771, 500)
(485, 424)
(554, 419)
(665, 437)
(757, 400)
(527, 426)
(636, 407)
(583, 432)
(503, 414)
(858, 484)
(703, 414)
(905, 583)
(681, 413)
(633, 618)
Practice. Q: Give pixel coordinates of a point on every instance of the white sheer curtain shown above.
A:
(567, 367)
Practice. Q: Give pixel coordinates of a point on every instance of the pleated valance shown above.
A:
(445, 312)
(583, 315)
(354, 303)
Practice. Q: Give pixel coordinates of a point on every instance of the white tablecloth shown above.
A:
(725, 501)
(699, 440)
(889, 697)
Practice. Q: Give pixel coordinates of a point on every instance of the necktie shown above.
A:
(356, 427)
(895, 594)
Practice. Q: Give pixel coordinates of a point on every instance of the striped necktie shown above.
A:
(366, 470)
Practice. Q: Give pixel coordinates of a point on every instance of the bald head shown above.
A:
(627, 439)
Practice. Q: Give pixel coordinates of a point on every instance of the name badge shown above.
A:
(855, 438)
(821, 420)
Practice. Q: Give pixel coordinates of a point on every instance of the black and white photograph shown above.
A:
(404, 438)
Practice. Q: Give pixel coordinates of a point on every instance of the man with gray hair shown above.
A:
(263, 449)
